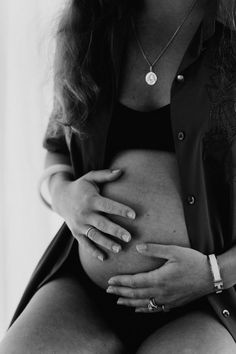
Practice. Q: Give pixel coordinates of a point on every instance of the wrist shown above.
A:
(217, 281)
(57, 180)
(207, 285)
(57, 184)
(227, 270)
(43, 182)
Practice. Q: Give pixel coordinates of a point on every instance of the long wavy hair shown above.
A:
(85, 56)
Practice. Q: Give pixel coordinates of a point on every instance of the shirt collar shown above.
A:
(205, 31)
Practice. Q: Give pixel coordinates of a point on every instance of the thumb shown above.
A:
(157, 250)
(102, 176)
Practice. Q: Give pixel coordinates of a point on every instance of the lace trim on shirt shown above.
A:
(222, 95)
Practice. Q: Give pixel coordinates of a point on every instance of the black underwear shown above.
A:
(132, 328)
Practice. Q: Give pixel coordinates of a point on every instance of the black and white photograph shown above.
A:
(118, 177)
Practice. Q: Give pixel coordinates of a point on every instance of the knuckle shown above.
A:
(92, 201)
(107, 206)
(116, 231)
(132, 283)
(87, 200)
(81, 213)
(108, 245)
(77, 226)
(100, 224)
(132, 294)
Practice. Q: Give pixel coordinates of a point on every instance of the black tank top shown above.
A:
(131, 129)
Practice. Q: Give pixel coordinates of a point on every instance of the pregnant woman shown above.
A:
(140, 165)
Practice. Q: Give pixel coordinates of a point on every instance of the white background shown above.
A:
(27, 29)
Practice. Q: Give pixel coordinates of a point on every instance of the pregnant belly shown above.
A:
(150, 185)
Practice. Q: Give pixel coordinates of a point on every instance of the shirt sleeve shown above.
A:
(54, 139)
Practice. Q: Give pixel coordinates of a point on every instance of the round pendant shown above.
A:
(151, 78)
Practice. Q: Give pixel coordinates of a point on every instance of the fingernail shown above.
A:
(109, 289)
(131, 215)
(115, 171)
(141, 247)
(119, 302)
(111, 281)
(116, 248)
(101, 258)
(126, 238)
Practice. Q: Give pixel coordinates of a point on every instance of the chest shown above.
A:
(134, 91)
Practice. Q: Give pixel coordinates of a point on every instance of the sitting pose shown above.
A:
(140, 165)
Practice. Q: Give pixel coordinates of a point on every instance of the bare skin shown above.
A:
(155, 24)
(61, 318)
(51, 323)
(150, 185)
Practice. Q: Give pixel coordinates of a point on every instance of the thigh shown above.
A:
(61, 318)
(197, 332)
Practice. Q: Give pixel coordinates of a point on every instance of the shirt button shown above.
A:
(190, 199)
(226, 313)
(180, 78)
(181, 136)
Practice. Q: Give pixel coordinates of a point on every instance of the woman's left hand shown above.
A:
(183, 278)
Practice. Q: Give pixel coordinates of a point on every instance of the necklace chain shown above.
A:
(164, 49)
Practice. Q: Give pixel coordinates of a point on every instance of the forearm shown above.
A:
(58, 178)
(58, 171)
(227, 264)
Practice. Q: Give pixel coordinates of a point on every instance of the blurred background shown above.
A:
(27, 31)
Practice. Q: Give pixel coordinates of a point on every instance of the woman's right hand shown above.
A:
(82, 207)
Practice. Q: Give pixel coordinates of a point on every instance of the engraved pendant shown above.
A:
(151, 78)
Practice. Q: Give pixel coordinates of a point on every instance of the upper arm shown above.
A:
(56, 137)
(53, 158)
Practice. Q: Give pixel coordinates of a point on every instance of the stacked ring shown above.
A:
(153, 306)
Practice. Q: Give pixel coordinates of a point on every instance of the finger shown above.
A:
(140, 280)
(132, 302)
(102, 176)
(157, 250)
(130, 293)
(97, 237)
(111, 207)
(108, 227)
(146, 309)
(90, 247)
